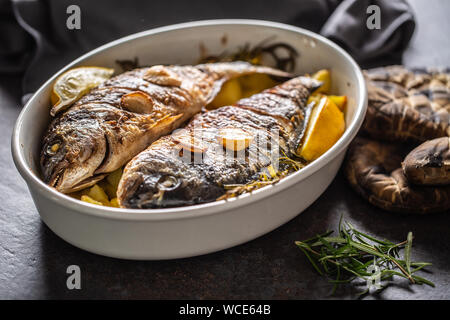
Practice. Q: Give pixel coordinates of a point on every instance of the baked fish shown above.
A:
(192, 165)
(118, 119)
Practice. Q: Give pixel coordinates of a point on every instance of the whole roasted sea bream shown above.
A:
(192, 165)
(118, 119)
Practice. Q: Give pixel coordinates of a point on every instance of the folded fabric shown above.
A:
(347, 26)
(37, 42)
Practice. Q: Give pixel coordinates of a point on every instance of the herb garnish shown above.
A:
(266, 177)
(349, 255)
(283, 54)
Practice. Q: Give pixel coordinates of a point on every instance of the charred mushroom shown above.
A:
(407, 105)
(429, 163)
(373, 170)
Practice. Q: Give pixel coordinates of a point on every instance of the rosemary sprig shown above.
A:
(283, 54)
(266, 177)
(349, 255)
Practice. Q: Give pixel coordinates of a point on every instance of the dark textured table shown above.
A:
(33, 260)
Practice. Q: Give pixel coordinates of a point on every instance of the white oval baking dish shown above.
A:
(194, 230)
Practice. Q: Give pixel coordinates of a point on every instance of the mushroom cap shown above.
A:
(429, 163)
(407, 105)
(374, 170)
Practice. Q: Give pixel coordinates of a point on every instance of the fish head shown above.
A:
(163, 180)
(153, 190)
(71, 154)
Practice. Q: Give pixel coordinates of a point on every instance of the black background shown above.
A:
(33, 260)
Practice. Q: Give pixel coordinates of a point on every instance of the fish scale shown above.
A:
(102, 126)
(162, 176)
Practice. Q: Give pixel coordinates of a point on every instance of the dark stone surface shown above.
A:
(33, 260)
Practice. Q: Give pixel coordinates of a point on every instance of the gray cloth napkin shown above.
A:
(36, 42)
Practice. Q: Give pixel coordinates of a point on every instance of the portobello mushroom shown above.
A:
(374, 170)
(429, 163)
(407, 105)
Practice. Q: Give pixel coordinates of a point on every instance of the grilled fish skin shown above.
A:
(162, 176)
(118, 119)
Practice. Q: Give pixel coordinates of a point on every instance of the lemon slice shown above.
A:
(325, 127)
(234, 139)
(75, 83)
(190, 143)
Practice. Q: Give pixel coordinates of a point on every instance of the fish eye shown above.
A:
(53, 148)
(168, 183)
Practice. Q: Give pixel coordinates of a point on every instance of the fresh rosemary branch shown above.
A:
(267, 176)
(349, 255)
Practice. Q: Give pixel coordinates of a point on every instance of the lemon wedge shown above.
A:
(325, 127)
(325, 77)
(75, 83)
(340, 101)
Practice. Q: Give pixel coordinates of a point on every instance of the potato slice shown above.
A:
(115, 203)
(110, 190)
(325, 127)
(88, 199)
(228, 95)
(114, 177)
(98, 194)
(255, 83)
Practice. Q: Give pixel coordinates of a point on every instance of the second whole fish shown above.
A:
(163, 176)
(115, 121)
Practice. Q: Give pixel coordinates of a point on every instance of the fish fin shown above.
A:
(166, 121)
(224, 71)
(86, 183)
(230, 70)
